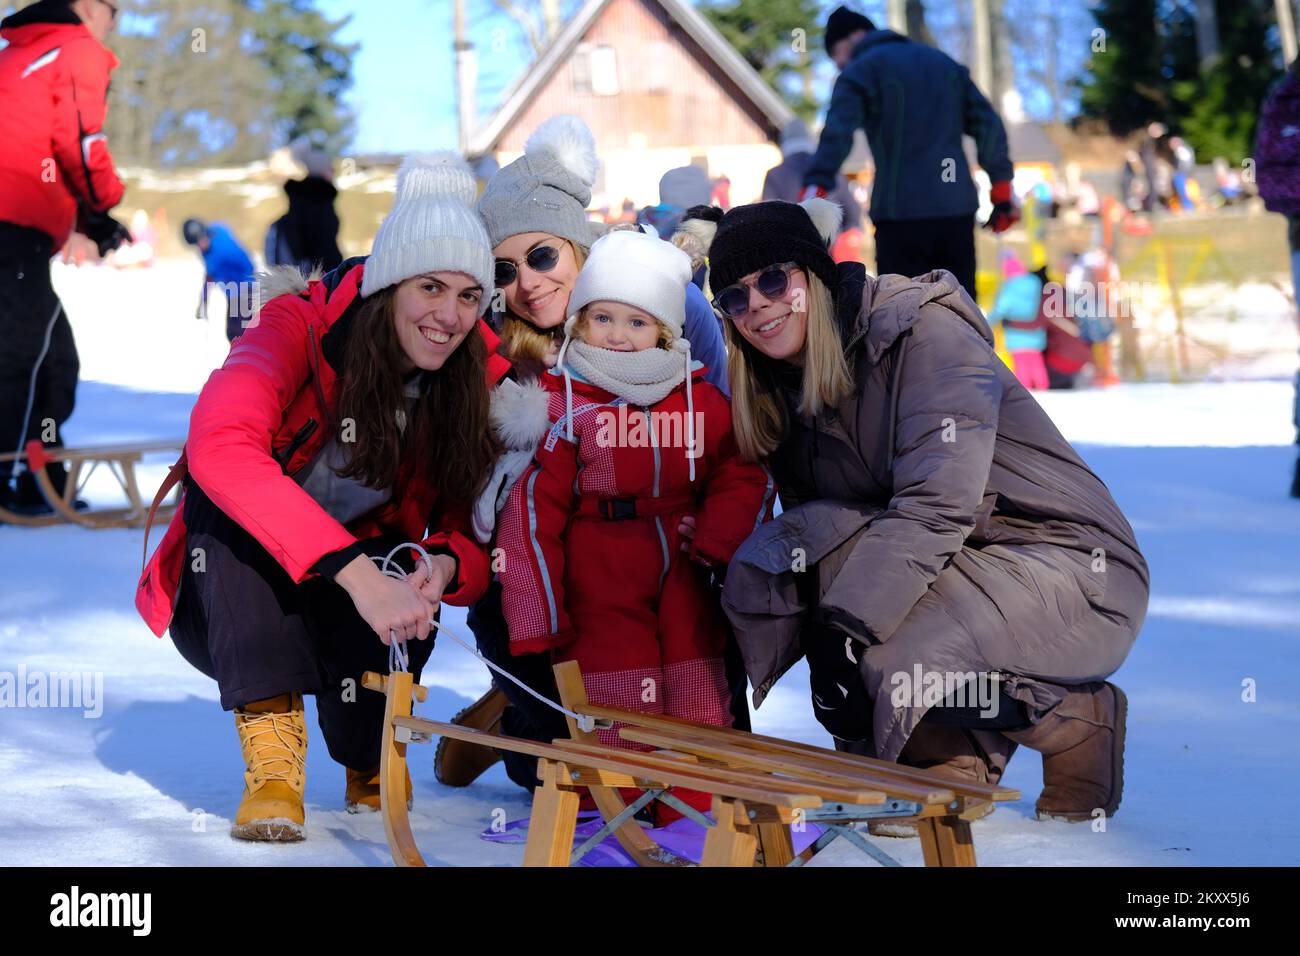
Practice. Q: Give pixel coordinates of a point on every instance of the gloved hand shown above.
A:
(106, 232)
(1005, 212)
(810, 192)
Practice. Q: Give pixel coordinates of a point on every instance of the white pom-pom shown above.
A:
(826, 216)
(694, 236)
(569, 139)
(519, 414)
(440, 174)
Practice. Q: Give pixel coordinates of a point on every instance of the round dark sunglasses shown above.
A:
(733, 301)
(539, 259)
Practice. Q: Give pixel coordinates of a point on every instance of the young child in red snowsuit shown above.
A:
(595, 569)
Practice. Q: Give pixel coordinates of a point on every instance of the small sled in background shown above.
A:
(81, 463)
(761, 787)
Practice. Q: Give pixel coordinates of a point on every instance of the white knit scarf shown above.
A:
(641, 378)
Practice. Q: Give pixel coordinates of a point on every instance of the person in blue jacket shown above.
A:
(914, 103)
(226, 264)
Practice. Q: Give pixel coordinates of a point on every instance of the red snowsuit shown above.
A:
(275, 391)
(592, 563)
(54, 86)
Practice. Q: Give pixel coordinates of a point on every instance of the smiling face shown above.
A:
(432, 314)
(618, 327)
(776, 327)
(541, 298)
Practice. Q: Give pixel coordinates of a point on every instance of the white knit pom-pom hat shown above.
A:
(641, 270)
(432, 227)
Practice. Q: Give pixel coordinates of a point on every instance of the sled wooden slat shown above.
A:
(773, 784)
(127, 450)
(668, 773)
(831, 759)
(759, 786)
(120, 461)
(808, 769)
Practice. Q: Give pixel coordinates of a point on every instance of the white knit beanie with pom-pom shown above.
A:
(432, 227)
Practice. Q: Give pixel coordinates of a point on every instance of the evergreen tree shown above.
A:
(1135, 58)
(225, 80)
(764, 32)
(310, 69)
(1150, 69)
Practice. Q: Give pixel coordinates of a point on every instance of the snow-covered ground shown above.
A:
(1201, 470)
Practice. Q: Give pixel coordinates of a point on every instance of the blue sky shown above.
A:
(404, 91)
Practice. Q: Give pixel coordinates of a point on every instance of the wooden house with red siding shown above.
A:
(660, 88)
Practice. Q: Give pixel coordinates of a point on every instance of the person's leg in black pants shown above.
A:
(28, 309)
(913, 247)
(242, 620)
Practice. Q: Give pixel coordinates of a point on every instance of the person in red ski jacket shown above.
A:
(351, 417)
(55, 172)
(633, 441)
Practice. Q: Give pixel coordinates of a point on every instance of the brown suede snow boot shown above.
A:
(976, 756)
(1082, 743)
(362, 794)
(458, 763)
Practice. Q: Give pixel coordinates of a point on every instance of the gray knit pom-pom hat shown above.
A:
(548, 188)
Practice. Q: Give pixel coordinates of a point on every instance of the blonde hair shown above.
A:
(524, 343)
(664, 340)
(757, 413)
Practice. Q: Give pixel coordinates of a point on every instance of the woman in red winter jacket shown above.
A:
(350, 418)
(632, 440)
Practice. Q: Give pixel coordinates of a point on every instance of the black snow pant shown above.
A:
(913, 247)
(843, 707)
(242, 621)
(29, 309)
(528, 717)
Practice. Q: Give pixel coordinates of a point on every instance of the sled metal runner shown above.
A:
(119, 460)
(761, 787)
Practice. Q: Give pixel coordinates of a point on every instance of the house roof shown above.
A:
(732, 64)
(1029, 143)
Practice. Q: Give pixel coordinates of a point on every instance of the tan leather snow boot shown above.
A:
(273, 737)
(1082, 743)
(458, 763)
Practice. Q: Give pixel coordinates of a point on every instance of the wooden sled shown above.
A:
(81, 463)
(761, 787)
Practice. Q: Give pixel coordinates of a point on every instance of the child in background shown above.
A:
(636, 445)
(227, 264)
(1017, 308)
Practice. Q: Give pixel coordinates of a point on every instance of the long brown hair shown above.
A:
(524, 343)
(448, 436)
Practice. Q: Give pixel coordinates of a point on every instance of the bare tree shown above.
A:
(540, 20)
